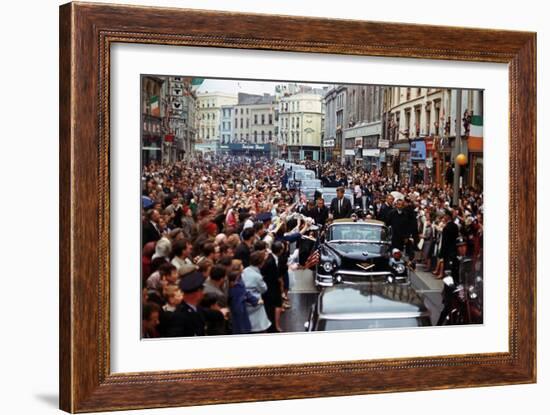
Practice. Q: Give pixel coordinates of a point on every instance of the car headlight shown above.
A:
(399, 268)
(327, 266)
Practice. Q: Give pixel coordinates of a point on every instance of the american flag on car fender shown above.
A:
(313, 259)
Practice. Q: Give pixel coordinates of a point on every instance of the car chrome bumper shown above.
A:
(322, 280)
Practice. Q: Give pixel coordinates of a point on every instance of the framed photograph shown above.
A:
(291, 207)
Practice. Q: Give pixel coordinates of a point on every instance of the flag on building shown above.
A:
(476, 126)
(475, 139)
(155, 106)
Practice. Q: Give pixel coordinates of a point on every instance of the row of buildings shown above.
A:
(408, 132)
(400, 131)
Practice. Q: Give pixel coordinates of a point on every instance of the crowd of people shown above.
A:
(220, 234)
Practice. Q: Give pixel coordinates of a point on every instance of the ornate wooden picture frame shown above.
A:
(87, 32)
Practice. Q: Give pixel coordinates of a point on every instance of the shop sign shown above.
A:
(358, 142)
(371, 152)
(256, 147)
(383, 143)
(349, 152)
(328, 143)
(418, 150)
(429, 143)
(392, 152)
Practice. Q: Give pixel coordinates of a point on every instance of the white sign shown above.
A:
(328, 143)
(429, 162)
(349, 152)
(383, 143)
(392, 152)
(371, 152)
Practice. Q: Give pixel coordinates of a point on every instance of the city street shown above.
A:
(247, 186)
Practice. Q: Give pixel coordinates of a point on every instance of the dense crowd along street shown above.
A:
(224, 238)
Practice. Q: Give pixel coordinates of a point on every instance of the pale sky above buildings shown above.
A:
(249, 87)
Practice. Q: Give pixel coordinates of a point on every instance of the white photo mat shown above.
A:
(131, 354)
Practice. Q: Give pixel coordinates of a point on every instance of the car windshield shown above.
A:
(304, 174)
(311, 183)
(356, 232)
(378, 323)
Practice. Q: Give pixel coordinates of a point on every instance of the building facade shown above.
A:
(300, 124)
(153, 103)
(363, 126)
(209, 105)
(254, 125)
(421, 126)
(335, 114)
(226, 124)
(180, 138)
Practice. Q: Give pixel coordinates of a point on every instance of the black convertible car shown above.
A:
(358, 252)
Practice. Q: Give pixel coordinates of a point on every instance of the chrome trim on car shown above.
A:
(363, 274)
(372, 316)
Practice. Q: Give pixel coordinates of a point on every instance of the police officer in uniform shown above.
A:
(190, 319)
(453, 265)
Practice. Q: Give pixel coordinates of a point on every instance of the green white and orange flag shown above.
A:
(476, 126)
(155, 106)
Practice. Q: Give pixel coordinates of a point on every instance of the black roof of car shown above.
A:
(370, 299)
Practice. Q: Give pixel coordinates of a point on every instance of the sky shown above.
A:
(250, 87)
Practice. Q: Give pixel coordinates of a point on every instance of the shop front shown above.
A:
(401, 163)
(259, 150)
(475, 162)
(418, 169)
(327, 151)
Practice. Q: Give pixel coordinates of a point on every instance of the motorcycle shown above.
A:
(463, 302)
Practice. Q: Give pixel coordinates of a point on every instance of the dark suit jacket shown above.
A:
(270, 271)
(242, 252)
(149, 233)
(448, 240)
(186, 322)
(344, 212)
(319, 215)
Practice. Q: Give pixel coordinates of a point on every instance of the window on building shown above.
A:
(408, 94)
(241, 111)
(247, 137)
(269, 136)
(270, 118)
(263, 136)
(236, 122)
(247, 111)
(417, 114)
(428, 121)
(297, 122)
(255, 136)
(241, 136)
(297, 136)
(255, 119)
(241, 123)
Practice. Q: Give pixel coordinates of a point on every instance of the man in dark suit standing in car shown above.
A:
(340, 207)
(320, 212)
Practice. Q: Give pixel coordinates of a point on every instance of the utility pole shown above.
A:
(457, 147)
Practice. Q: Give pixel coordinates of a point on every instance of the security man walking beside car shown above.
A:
(398, 220)
(340, 207)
